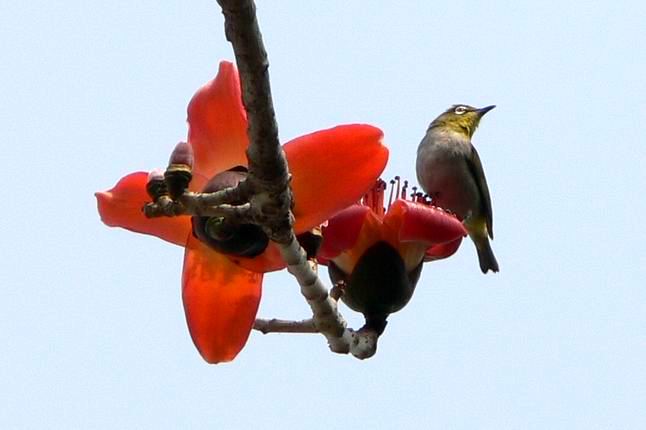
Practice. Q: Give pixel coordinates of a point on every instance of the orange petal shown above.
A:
(270, 260)
(217, 125)
(370, 231)
(220, 302)
(333, 169)
(122, 206)
(422, 223)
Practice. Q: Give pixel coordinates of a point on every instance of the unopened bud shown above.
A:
(182, 154)
(155, 185)
(178, 174)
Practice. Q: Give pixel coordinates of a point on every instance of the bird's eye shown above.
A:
(460, 110)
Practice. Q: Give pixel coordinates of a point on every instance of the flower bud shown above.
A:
(178, 174)
(225, 235)
(182, 154)
(155, 185)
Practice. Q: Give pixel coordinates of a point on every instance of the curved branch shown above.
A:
(269, 179)
(327, 319)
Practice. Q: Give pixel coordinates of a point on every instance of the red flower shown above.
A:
(378, 253)
(330, 169)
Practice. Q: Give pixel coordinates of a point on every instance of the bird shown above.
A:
(449, 170)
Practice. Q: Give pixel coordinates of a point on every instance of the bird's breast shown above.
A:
(444, 175)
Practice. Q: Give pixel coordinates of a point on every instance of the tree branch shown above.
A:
(265, 190)
(327, 319)
(267, 164)
(268, 173)
(193, 204)
(284, 326)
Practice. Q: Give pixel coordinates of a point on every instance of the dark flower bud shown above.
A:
(182, 154)
(379, 284)
(178, 174)
(155, 185)
(224, 235)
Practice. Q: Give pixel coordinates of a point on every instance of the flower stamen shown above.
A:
(392, 189)
(375, 198)
(397, 193)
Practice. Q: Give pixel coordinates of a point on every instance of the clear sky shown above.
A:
(91, 322)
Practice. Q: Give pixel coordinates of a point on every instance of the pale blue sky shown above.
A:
(91, 323)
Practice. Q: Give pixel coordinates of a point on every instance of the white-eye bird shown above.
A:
(450, 172)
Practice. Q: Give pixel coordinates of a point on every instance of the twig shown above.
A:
(284, 326)
(327, 319)
(192, 204)
(238, 193)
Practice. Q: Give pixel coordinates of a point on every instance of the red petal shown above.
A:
(442, 250)
(217, 125)
(342, 231)
(423, 223)
(122, 207)
(220, 302)
(333, 169)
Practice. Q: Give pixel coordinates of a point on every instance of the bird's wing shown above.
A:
(475, 166)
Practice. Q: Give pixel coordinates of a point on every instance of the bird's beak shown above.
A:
(484, 110)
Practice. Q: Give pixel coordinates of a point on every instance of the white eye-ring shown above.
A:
(460, 110)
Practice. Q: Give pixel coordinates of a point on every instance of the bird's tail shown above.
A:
(485, 255)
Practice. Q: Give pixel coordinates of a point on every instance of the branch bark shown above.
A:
(196, 204)
(327, 319)
(284, 326)
(267, 164)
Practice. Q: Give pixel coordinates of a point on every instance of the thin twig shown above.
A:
(284, 326)
(192, 204)
(240, 192)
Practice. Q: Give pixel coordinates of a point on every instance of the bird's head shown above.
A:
(461, 118)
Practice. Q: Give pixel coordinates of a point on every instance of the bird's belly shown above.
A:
(452, 187)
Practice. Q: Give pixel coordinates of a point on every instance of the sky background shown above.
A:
(92, 330)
